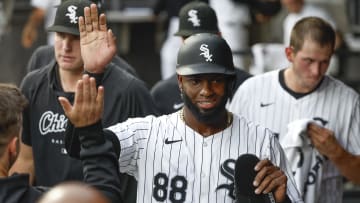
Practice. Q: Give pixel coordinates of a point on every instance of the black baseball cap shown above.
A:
(73, 143)
(67, 16)
(197, 17)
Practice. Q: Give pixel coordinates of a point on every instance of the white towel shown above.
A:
(299, 151)
(296, 134)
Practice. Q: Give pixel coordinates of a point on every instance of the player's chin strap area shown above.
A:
(87, 136)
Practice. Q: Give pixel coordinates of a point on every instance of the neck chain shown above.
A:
(228, 122)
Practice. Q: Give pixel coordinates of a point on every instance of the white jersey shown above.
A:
(263, 100)
(173, 163)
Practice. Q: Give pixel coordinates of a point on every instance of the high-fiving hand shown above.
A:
(97, 43)
(88, 103)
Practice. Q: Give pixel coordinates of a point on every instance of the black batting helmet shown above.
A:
(205, 53)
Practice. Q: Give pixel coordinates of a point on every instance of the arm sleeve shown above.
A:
(98, 77)
(100, 166)
(138, 100)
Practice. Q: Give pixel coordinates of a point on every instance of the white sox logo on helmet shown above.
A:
(72, 14)
(206, 52)
(194, 18)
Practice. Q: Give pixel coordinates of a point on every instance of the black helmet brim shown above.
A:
(204, 68)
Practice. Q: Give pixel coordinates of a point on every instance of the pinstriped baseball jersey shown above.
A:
(173, 163)
(263, 100)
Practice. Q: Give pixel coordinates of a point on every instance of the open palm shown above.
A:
(97, 43)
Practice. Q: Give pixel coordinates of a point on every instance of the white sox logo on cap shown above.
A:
(194, 18)
(72, 14)
(205, 52)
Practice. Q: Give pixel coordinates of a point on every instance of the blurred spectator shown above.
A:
(6, 11)
(43, 12)
(298, 9)
(234, 18)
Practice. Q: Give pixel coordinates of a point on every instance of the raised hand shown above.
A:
(270, 179)
(97, 43)
(88, 103)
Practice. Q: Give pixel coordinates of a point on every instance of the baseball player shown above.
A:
(43, 153)
(195, 17)
(187, 156)
(330, 148)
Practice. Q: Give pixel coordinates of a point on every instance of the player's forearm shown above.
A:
(100, 161)
(347, 163)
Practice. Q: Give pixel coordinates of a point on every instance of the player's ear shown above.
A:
(13, 148)
(14, 145)
(289, 52)
(179, 79)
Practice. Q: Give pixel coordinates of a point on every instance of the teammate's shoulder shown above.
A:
(164, 86)
(115, 72)
(262, 76)
(147, 122)
(37, 75)
(137, 121)
(123, 80)
(265, 79)
(253, 129)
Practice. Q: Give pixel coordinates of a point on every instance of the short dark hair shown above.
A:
(313, 28)
(12, 104)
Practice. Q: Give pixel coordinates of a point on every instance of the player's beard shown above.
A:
(209, 116)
